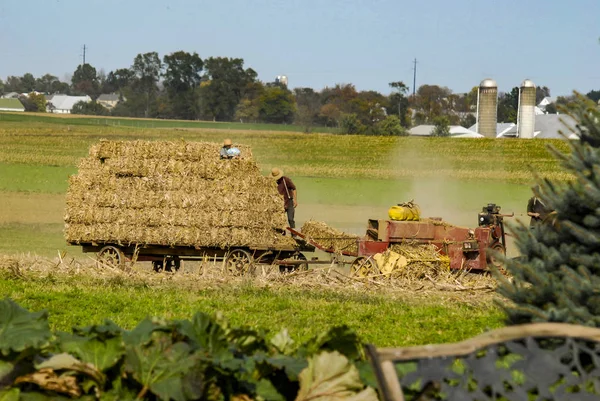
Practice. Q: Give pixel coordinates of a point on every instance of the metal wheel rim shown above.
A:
(497, 262)
(362, 267)
(302, 267)
(110, 256)
(239, 262)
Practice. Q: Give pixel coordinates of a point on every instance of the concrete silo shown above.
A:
(487, 108)
(526, 111)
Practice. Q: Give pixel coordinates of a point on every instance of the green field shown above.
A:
(148, 123)
(342, 180)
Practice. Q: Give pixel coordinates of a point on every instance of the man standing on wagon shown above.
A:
(287, 189)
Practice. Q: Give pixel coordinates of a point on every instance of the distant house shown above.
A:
(109, 100)
(456, 131)
(11, 105)
(10, 95)
(63, 104)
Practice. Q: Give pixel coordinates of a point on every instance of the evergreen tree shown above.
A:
(557, 279)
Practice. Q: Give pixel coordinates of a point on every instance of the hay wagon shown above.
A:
(236, 260)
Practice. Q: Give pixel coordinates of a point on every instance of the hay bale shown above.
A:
(329, 237)
(172, 193)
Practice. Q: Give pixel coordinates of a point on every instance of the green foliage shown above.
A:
(85, 81)
(277, 105)
(442, 127)
(92, 108)
(181, 79)
(557, 279)
(391, 126)
(351, 124)
(226, 79)
(34, 102)
(180, 360)
(21, 330)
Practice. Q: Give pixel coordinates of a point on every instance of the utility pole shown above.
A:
(83, 54)
(414, 76)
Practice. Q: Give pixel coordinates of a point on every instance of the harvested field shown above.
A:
(172, 193)
(207, 274)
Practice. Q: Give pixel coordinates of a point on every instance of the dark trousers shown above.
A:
(290, 210)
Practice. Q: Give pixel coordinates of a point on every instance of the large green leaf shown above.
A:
(102, 354)
(21, 329)
(204, 332)
(101, 331)
(10, 395)
(268, 392)
(6, 369)
(141, 334)
(160, 366)
(331, 376)
(283, 342)
(338, 338)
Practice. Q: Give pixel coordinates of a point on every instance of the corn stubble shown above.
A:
(172, 194)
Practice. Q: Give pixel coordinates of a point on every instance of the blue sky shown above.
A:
(319, 43)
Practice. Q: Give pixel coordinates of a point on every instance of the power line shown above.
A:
(415, 76)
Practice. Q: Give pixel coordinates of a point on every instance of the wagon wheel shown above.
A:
(157, 265)
(173, 264)
(497, 260)
(363, 267)
(239, 262)
(169, 264)
(291, 268)
(110, 256)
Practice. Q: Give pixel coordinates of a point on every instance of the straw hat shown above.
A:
(276, 173)
(227, 142)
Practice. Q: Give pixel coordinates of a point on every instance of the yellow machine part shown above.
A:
(404, 213)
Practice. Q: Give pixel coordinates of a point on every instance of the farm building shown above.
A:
(456, 131)
(11, 105)
(109, 100)
(63, 104)
(547, 126)
(10, 95)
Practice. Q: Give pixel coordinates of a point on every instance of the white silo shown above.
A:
(282, 79)
(526, 111)
(487, 108)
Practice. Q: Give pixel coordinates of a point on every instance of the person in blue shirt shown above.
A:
(228, 151)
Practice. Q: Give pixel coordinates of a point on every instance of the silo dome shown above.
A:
(488, 83)
(527, 84)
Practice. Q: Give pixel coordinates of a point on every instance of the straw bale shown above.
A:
(329, 237)
(172, 193)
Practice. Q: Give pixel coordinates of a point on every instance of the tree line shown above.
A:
(182, 85)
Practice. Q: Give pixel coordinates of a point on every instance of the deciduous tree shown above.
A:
(34, 102)
(45, 83)
(181, 79)
(442, 127)
(227, 79)
(398, 102)
(28, 82)
(143, 92)
(85, 81)
(277, 105)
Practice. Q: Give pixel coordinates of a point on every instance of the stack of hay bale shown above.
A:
(175, 194)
